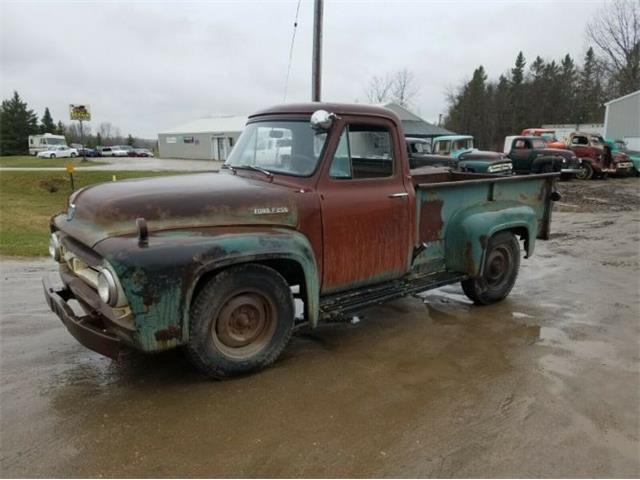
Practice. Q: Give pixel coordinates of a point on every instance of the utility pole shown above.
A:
(316, 68)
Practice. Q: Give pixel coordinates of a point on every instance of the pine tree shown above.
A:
(17, 122)
(518, 94)
(61, 129)
(46, 123)
(590, 92)
(566, 90)
(98, 140)
(130, 141)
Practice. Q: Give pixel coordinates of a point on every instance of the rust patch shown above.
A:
(431, 220)
(167, 334)
(469, 265)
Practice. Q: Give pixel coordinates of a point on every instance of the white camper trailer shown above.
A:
(40, 143)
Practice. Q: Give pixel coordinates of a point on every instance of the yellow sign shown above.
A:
(79, 112)
(71, 167)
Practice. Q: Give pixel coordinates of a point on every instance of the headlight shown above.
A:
(107, 288)
(54, 247)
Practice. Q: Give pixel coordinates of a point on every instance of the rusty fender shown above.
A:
(159, 279)
(469, 229)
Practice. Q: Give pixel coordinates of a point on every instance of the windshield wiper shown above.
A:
(257, 169)
(224, 165)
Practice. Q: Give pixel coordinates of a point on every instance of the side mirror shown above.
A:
(322, 120)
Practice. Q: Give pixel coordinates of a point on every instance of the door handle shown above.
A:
(398, 195)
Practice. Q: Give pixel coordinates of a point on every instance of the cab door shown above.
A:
(365, 207)
(521, 155)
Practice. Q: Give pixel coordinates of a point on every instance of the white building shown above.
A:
(203, 139)
(622, 120)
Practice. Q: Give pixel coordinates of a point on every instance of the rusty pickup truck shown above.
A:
(316, 211)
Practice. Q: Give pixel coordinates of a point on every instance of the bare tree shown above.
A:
(615, 31)
(379, 88)
(105, 130)
(398, 87)
(404, 87)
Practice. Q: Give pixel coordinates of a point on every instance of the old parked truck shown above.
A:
(547, 134)
(597, 157)
(213, 262)
(531, 154)
(469, 158)
(419, 151)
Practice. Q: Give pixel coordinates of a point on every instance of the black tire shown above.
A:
(499, 272)
(53, 155)
(241, 321)
(73, 155)
(586, 171)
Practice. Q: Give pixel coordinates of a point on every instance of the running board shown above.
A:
(348, 302)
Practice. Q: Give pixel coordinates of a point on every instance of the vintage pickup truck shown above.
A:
(531, 154)
(596, 156)
(419, 151)
(469, 158)
(214, 262)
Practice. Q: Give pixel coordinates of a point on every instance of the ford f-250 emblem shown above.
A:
(270, 210)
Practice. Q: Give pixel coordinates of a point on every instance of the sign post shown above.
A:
(80, 113)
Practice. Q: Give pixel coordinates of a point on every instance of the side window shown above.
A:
(519, 144)
(527, 144)
(364, 151)
(442, 147)
(341, 164)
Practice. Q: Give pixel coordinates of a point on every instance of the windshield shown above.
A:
(538, 143)
(462, 144)
(55, 141)
(549, 136)
(620, 145)
(289, 147)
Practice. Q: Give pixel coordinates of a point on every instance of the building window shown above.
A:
(171, 139)
(188, 139)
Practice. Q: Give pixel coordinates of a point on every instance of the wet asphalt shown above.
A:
(543, 384)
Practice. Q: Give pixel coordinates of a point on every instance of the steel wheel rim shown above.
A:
(498, 267)
(583, 173)
(244, 325)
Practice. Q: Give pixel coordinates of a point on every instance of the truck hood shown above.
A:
(176, 202)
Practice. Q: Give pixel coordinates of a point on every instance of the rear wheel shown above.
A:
(53, 155)
(499, 272)
(73, 155)
(241, 320)
(586, 171)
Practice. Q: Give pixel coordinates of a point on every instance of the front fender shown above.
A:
(159, 280)
(469, 230)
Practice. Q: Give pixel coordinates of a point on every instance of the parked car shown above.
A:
(597, 157)
(61, 151)
(127, 148)
(208, 261)
(620, 146)
(141, 152)
(531, 154)
(547, 134)
(114, 151)
(88, 152)
(469, 159)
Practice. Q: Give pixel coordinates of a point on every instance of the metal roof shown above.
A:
(637, 92)
(229, 123)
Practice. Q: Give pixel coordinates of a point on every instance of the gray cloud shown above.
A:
(147, 66)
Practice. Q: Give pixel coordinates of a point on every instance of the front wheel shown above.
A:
(499, 272)
(73, 155)
(53, 155)
(586, 171)
(240, 322)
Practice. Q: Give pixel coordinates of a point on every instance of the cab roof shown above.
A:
(453, 137)
(337, 108)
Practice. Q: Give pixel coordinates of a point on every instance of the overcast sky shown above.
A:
(148, 66)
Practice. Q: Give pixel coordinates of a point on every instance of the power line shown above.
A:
(293, 39)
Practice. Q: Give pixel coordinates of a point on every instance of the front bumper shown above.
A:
(570, 170)
(90, 330)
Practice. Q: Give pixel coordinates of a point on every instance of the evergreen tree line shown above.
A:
(18, 121)
(547, 92)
